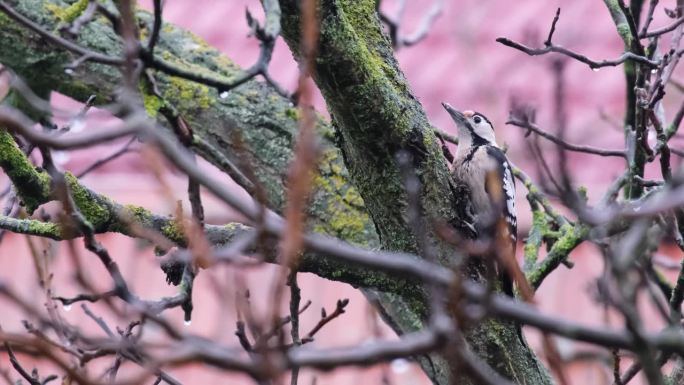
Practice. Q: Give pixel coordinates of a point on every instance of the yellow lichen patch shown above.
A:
(233, 226)
(139, 214)
(168, 28)
(152, 104)
(205, 48)
(70, 13)
(173, 231)
(292, 113)
(225, 69)
(201, 43)
(349, 224)
(344, 218)
(352, 197)
(144, 32)
(188, 94)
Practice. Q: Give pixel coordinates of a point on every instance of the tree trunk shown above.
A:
(376, 116)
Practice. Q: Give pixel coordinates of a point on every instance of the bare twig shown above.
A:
(156, 27)
(326, 318)
(548, 43)
(593, 64)
(663, 30)
(125, 149)
(515, 121)
(83, 19)
(649, 17)
(295, 298)
(393, 24)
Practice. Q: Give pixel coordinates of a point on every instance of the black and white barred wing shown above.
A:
(501, 188)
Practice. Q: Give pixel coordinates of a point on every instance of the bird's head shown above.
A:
(472, 126)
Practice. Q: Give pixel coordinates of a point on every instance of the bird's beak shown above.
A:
(456, 115)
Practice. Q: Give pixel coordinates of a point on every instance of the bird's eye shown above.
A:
(477, 120)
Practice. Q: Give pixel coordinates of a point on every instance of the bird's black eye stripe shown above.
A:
(477, 119)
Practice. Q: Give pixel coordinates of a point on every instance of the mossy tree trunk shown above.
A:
(374, 115)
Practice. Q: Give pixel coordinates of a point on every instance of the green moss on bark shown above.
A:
(32, 185)
(69, 13)
(378, 118)
(620, 21)
(44, 229)
(569, 237)
(252, 124)
(96, 209)
(535, 238)
(189, 94)
(32, 227)
(174, 231)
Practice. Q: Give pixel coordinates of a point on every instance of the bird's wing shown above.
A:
(501, 188)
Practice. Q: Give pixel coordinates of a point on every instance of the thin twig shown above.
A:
(156, 27)
(649, 17)
(548, 43)
(295, 298)
(568, 146)
(664, 30)
(125, 149)
(593, 64)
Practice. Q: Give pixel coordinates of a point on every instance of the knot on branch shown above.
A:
(173, 267)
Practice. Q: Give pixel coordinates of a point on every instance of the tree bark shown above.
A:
(376, 117)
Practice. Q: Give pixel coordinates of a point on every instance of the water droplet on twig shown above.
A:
(400, 365)
(77, 125)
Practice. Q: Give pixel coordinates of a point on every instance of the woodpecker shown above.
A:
(483, 167)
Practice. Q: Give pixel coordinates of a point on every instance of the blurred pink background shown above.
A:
(458, 62)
